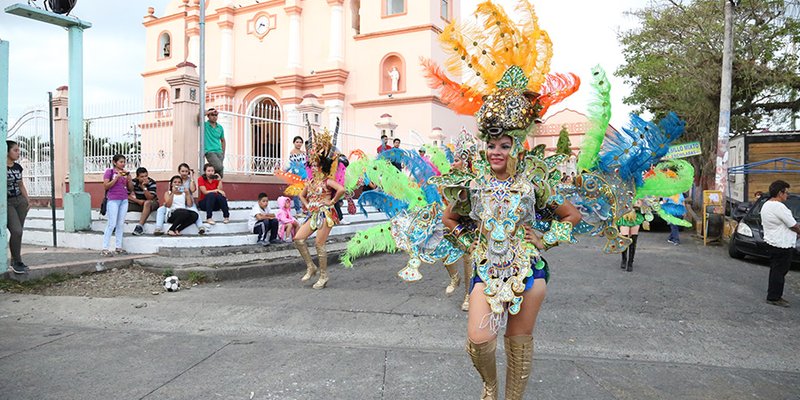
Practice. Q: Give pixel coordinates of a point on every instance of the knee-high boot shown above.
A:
(322, 258)
(632, 252)
(483, 358)
(454, 279)
(519, 356)
(624, 262)
(311, 269)
(467, 281)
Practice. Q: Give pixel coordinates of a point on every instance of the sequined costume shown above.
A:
(317, 194)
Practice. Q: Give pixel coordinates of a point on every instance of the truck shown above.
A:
(757, 159)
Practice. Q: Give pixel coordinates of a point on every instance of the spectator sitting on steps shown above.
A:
(262, 220)
(190, 187)
(143, 198)
(212, 198)
(180, 210)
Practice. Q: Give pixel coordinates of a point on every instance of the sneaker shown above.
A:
(261, 242)
(672, 242)
(138, 230)
(274, 241)
(157, 232)
(344, 222)
(780, 302)
(265, 243)
(120, 252)
(18, 268)
(201, 230)
(107, 253)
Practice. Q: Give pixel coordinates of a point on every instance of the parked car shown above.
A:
(748, 238)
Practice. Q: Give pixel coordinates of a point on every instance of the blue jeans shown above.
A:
(297, 204)
(213, 202)
(673, 232)
(115, 212)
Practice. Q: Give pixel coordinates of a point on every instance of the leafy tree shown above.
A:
(673, 62)
(563, 145)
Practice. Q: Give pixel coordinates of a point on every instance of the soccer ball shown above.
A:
(172, 284)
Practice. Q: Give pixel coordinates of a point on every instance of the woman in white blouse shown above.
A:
(180, 212)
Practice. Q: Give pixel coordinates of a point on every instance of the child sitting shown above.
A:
(288, 225)
(262, 221)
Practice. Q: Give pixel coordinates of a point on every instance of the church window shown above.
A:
(162, 102)
(164, 46)
(265, 134)
(394, 7)
(445, 9)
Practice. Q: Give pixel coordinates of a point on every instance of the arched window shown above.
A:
(162, 101)
(392, 74)
(265, 134)
(164, 46)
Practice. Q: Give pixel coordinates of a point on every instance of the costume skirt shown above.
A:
(543, 273)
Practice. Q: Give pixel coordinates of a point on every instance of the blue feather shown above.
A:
(639, 146)
(431, 194)
(449, 154)
(419, 169)
(298, 168)
(383, 202)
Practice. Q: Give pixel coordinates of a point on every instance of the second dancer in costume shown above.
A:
(319, 195)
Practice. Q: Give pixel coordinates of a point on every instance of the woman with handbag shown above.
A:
(179, 203)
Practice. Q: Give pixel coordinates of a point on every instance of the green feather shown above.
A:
(373, 240)
(662, 185)
(673, 220)
(395, 183)
(354, 173)
(437, 157)
(599, 115)
(514, 77)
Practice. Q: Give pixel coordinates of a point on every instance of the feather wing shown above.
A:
(382, 202)
(599, 115)
(556, 88)
(373, 240)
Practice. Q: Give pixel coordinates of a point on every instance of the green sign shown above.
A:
(683, 150)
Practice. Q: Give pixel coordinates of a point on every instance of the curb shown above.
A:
(73, 268)
(254, 270)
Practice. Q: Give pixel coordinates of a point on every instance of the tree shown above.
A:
(673, 63)
(563, 145)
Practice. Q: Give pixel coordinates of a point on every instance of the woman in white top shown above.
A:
(179, 205)
(189, 186)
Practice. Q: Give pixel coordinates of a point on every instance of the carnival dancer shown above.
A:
(319, 195)
(629, 228)
(495, 211)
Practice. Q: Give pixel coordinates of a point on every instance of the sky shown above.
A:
(584, 34)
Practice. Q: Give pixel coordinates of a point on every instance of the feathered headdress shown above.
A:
(506, 84)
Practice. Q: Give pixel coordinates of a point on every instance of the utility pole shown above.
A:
(3, 150)
(721, 177)
(202, 61)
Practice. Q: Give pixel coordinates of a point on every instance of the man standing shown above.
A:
(780, 233)
(396, 144)
(384, 144)
(214, 142)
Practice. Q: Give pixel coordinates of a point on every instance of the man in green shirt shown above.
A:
(214, 141)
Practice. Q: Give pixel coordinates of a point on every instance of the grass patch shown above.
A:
(167, 273)
(14, 286)
(196, 277)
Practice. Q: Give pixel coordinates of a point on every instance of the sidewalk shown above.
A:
(44, 261)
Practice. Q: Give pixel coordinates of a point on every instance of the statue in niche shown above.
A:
(394, 75)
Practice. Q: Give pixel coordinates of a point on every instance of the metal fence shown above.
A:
(144, 137)
(32, 132)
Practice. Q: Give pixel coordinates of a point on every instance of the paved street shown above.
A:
(688, 323)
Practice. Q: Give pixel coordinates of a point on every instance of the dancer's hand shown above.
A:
(532, 238)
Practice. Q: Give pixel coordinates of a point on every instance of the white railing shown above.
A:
(144, 137)
(32, 132)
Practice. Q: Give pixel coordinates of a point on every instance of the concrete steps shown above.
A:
(38, 231)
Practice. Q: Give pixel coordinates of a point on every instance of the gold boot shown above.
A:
(483, 359)
(519, 356)
(454, 279)
(311, 269)
(467, 281)
(322, 257)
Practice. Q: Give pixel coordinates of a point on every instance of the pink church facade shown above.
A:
(272, 64)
